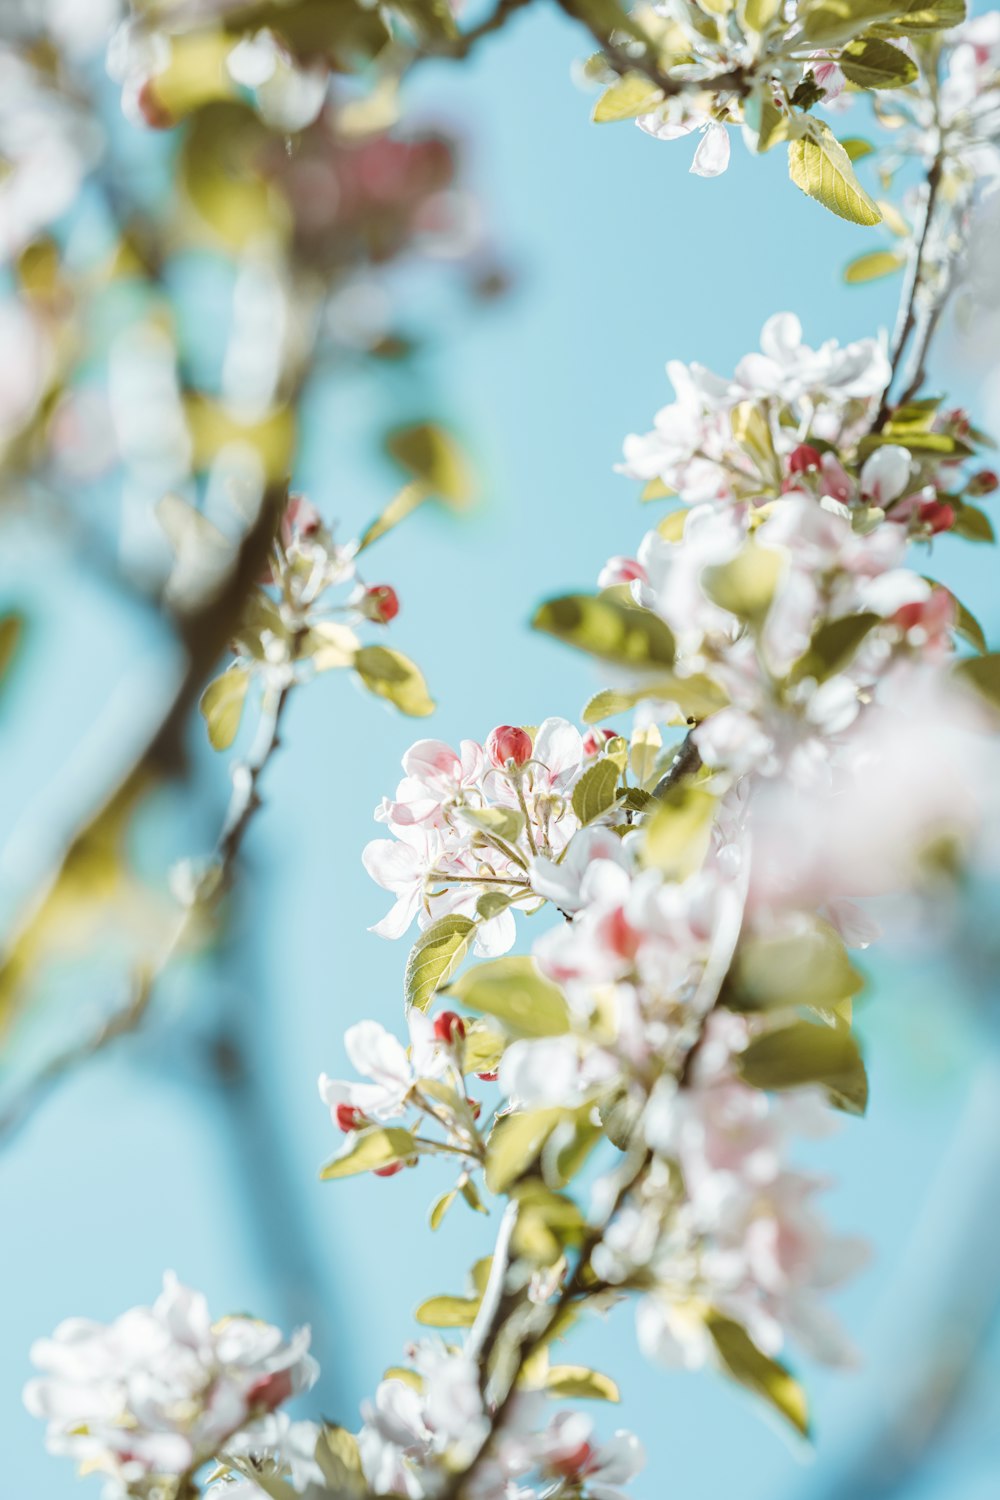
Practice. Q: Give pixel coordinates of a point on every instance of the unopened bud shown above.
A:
(487, 1077)
(575, 1464)
(936, 515)
(349, 1117)
(381, 603)
(983, 483)
(449, 1027)
(595, 740)
(507, 743)
(803, 458)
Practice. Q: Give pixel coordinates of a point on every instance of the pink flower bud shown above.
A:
(983, 483)
(507, 743)
(270, 1391)
(475, 1106)
(803, 458)
(449, 1027)
(390, 1170)
(573, 1465)
(349, 1117)
(936, 515)
(381, 603)
(595, 740)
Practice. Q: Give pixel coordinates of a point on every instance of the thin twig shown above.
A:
(243, 803)
(906, 320)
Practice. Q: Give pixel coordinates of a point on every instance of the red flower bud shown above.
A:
(449, 1028)
(487, 1077)
(803, 458)
(155, 113)
(475, 1106)
(936, 515)
(390, 1170)
(349, 1117)
(381, 603)
(507, 743)
(595, 740)
(983, 483)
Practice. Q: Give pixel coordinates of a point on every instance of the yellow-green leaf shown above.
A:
(440, 1207)
(434, 458)
(222, 706)
(448, 1312)
(745, 586)
(627, 97)
(577, 1382)
(807, 965)
(366, 1150)
(391, 675)
(857, 147)
(763, 1376)
(596, 790)
(515, 1143)
(982, 673)
(514, 991)
(819, 165)
(873, 265)
(806, 1053)
(676, 836)
(873, 64)
(606, 628)
(434, 958)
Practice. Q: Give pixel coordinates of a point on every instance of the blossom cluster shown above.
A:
(154, 1395)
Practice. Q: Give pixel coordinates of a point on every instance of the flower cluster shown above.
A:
(467, 824)
(430, 1417)
(163, 1389)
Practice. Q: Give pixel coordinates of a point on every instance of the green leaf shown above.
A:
(391, 675)
(966, 624)
(578, 1383)
(400, 506)
(448, 1312)
(491, 903)
(604, 627)
(340, 1461)
(434, 958)
(222, 706)
(873, 265)
(482, 1049)
(832, 647)
(470, 1193)
(982, 673)
(596, 790)
(917, 18)
(873, 64)
(763, 1376)
(857, 147)
(745, 586)
(514, 991)
(805, 1053)
(831, 23)
(819, 165)
(676, 837)
(627, 97)
(758, 14)
(696, 696)
(806, 966)
(973, 524)
(432, 457)
(365, 1150)
(440, 1207)
(515, 1143)
(506, 823)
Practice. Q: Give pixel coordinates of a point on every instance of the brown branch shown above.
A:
(737, 80)
(907, 319)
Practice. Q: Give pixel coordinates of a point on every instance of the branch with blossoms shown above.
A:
(632, 1090)
(172, 465)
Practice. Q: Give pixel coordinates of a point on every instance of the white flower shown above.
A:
(161, 1389)
(381, 1057)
